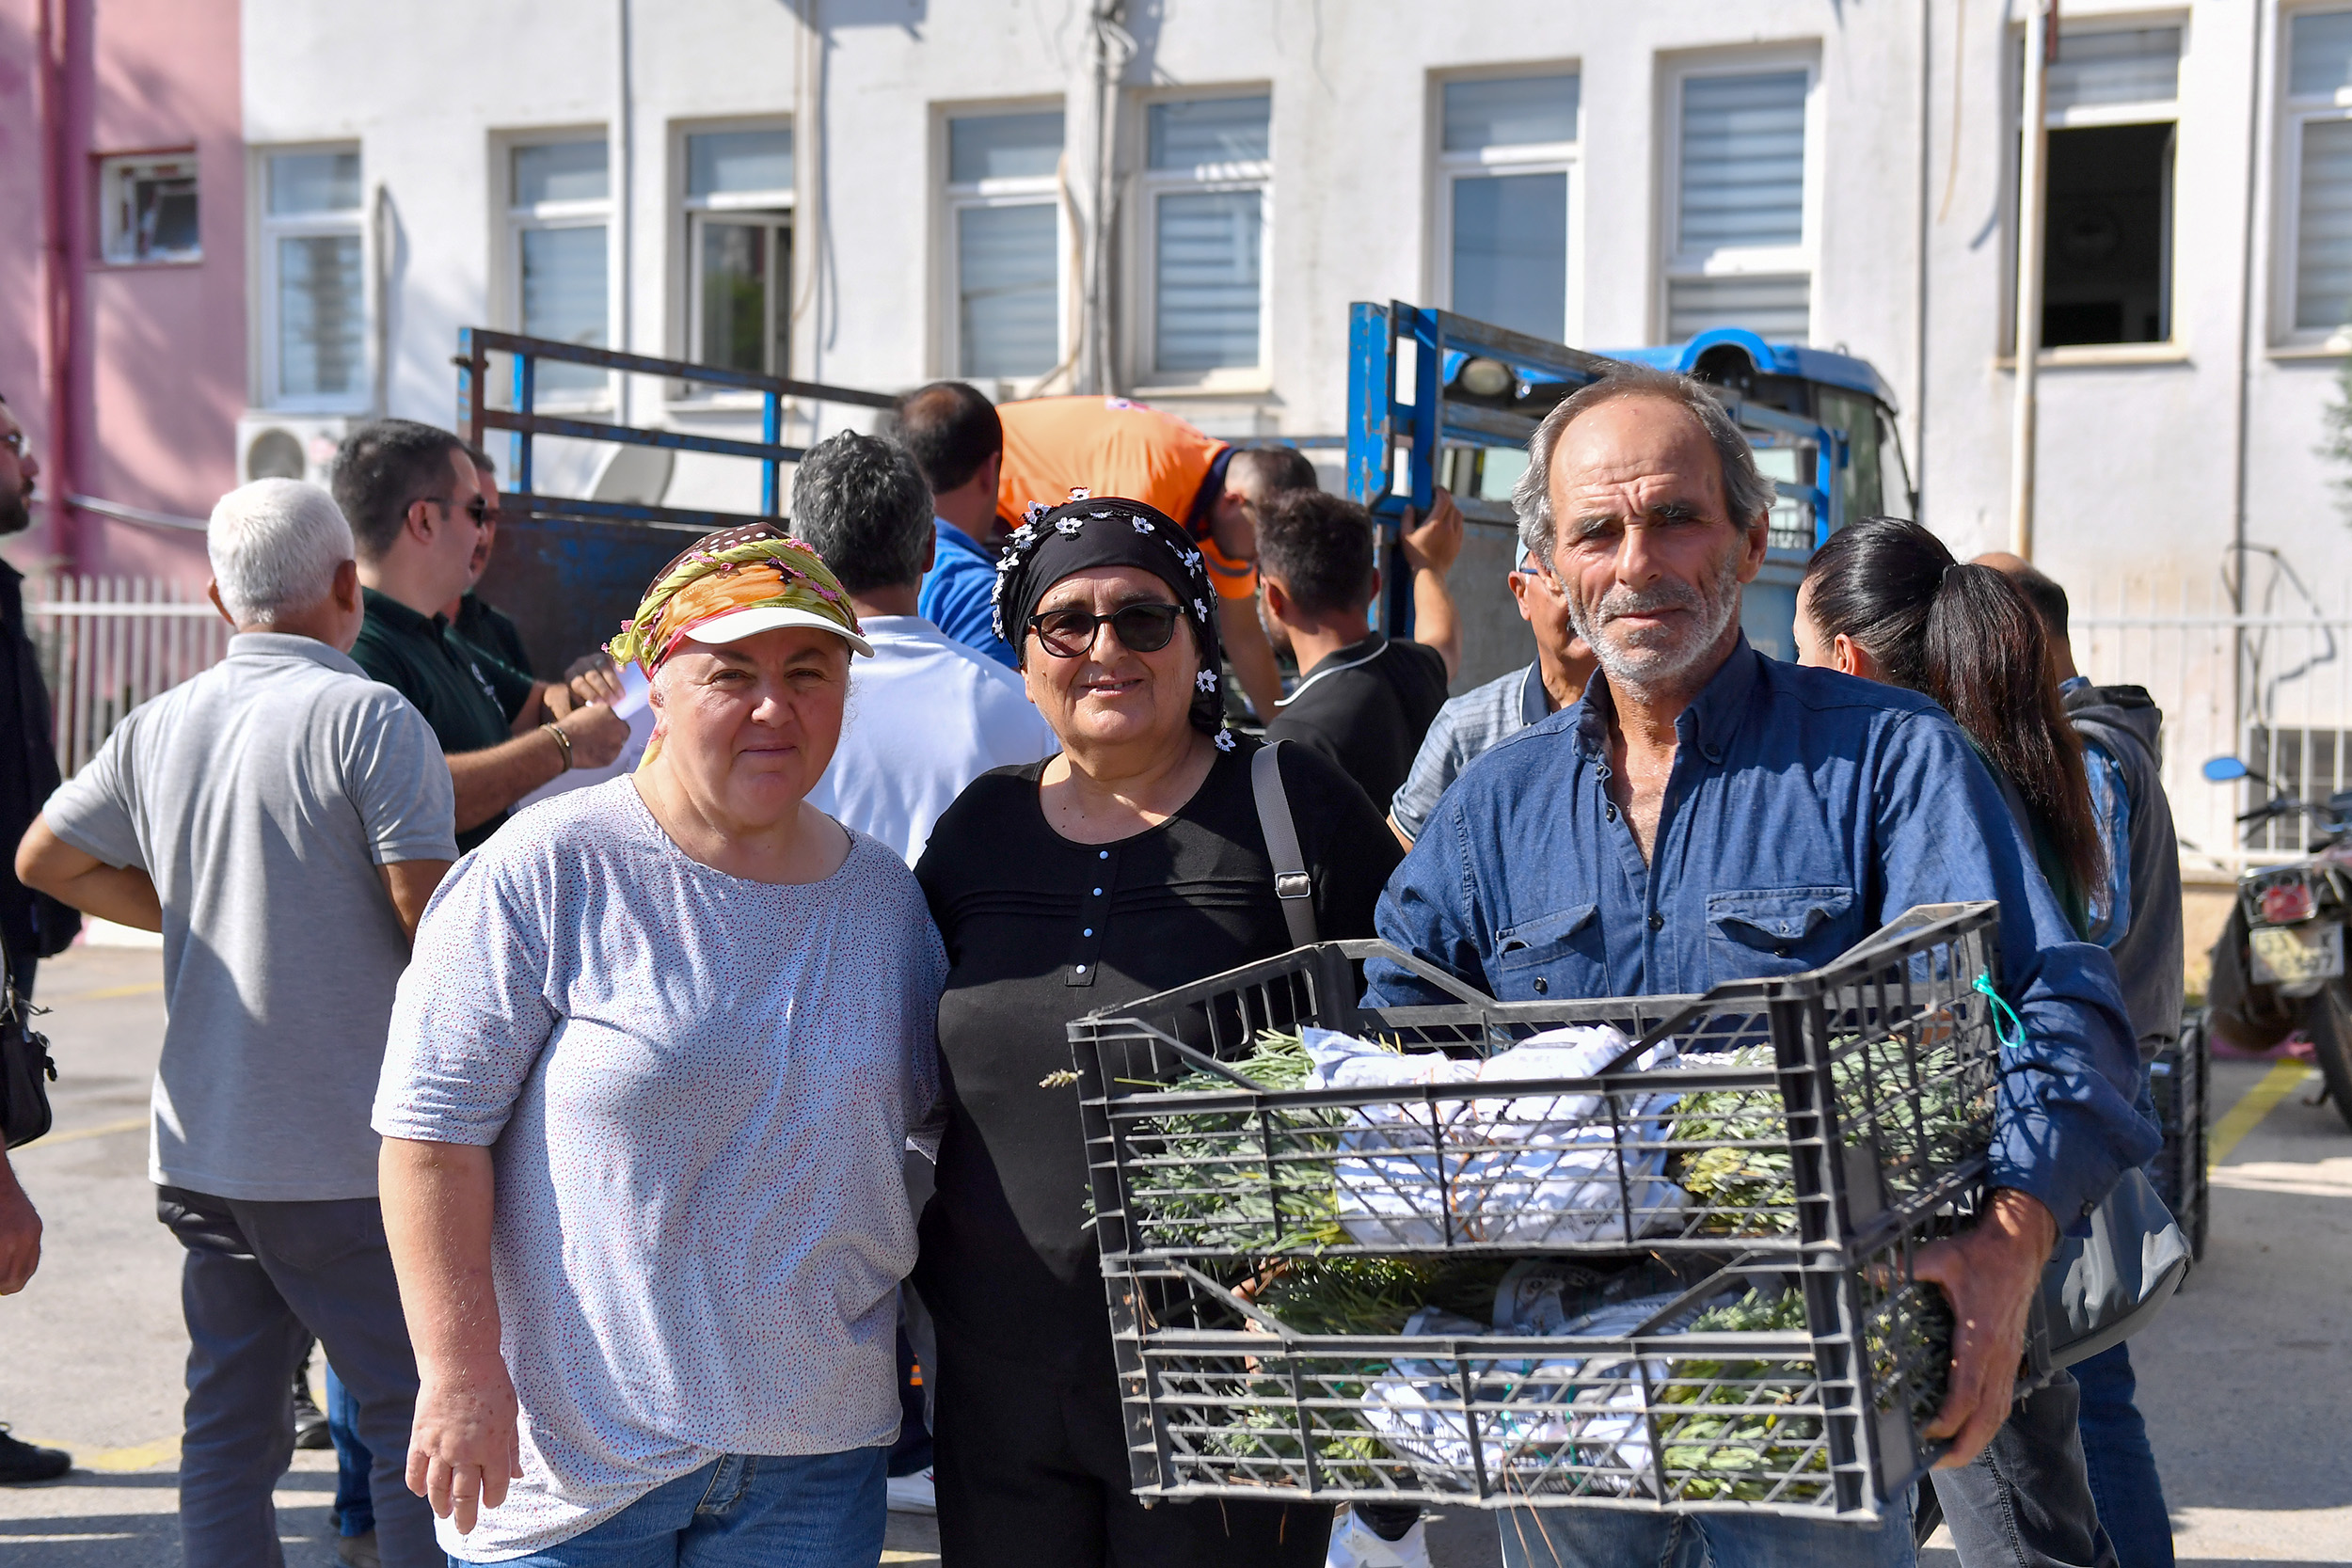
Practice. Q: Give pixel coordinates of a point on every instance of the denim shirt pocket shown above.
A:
(1780, 930)
(1557, 955)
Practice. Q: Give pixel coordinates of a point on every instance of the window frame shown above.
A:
(1149, 184)
(1804, 258)
(775, 210)
(268, 229)
(2081, 117)
(1449, 168)
(2295, 115)
(108, 171)
(1023, 191)
(515, 219)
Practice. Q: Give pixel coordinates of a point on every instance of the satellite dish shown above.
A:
(633, 476)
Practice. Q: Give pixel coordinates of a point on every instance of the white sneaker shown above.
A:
(912, 1495)
(1354, 1545)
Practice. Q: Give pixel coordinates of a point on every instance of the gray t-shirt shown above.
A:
(697, 1092)
(260, 796)
(1465, 730)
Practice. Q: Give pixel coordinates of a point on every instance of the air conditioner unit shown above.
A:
(290, 446)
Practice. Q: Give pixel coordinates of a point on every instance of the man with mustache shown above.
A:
(32, 925)
(1704, 813)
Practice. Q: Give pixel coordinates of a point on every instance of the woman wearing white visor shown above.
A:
(648, 1086)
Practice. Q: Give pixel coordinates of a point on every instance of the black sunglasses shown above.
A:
(1143, 628)
(478, 508)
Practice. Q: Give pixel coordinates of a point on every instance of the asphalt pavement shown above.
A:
(2245, 1380)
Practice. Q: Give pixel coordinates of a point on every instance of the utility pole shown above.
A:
(2032, 177)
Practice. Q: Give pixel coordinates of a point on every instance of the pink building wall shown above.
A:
(155, 354)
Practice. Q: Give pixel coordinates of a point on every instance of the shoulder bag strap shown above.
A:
(1292, 886)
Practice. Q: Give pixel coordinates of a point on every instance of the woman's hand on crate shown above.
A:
(1991, 1274)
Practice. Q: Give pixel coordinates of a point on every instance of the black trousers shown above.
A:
(1032, 1473)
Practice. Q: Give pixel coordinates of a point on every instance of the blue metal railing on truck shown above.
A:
(570, 568)
(523, 422)
(1398, 436)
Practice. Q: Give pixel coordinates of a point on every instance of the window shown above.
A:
(1505, 151)
(2107, 260)
(1205, 177)
(1739, 256)
(314, 303)
(1005, 244)
(147, 208)
(2318, 151)
(738, 235)
(559, 209)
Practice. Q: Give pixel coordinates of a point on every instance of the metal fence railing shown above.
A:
(107, 644)
(2273, 688)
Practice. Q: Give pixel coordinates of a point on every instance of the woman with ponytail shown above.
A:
(1884, 600)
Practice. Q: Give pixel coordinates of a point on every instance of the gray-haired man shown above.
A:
(1624, 846)
(282, 820)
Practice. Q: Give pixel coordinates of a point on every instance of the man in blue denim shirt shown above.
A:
(1705, 813)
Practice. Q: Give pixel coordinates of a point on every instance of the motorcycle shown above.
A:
(2293, 918)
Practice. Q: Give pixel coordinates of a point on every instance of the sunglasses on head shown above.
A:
(1142, 628)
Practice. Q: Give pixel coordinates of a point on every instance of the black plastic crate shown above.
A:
(2179, 1079)
(1822, 1108)
(1817, 1415)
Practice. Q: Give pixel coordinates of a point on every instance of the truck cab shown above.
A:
(1439, 399)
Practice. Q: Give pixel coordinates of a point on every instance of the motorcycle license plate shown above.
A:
(2286, 955)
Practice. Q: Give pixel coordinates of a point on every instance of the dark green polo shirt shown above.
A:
(469, 697)
(494, 632)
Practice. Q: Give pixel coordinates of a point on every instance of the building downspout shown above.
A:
(624, 146)
(808, 213)
(2032, 176)
(2235, 578)
(1092, 185)
(1919, 349)
(55, 42)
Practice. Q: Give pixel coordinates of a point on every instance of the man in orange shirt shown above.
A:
(1114, 447)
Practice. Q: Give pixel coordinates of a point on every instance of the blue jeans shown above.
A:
(354, 1507)
(745, 1511)
(1605, 1538)
(2122, 1467)
(2024, 1503)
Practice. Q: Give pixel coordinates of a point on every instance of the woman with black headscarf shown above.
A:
(1130, 863)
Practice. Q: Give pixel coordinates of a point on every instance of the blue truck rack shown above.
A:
(1434, 397)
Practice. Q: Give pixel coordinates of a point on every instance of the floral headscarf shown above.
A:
(741, 568)
(1113, 532)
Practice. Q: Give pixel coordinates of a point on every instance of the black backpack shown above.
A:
(25, 1069)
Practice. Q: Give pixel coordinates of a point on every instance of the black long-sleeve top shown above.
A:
(1040, 930)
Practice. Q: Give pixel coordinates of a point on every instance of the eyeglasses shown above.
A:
(477, 509)
(1143, 628)
(14, 441)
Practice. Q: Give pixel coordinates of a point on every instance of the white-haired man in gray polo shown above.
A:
(282, 820)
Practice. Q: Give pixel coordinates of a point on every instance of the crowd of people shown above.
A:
(625, 1148)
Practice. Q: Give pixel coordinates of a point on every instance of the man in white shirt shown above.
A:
(928, 714)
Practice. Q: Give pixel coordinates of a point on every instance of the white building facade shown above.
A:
(875, 192)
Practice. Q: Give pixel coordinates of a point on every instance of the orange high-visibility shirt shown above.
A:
(1112, 447)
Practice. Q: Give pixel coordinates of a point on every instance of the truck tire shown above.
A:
(2328, 1024)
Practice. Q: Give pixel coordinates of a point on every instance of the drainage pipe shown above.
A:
(2032, 178)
